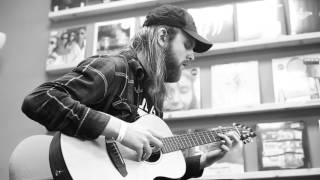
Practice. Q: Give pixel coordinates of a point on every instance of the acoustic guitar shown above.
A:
(87, 159)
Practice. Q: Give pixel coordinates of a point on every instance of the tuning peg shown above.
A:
(253, 134)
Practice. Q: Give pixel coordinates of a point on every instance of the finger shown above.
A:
(147, 151)
(155, 142)
(226, 139)
(234, 136)
(156, 134)
(224, 148)
(139, 154)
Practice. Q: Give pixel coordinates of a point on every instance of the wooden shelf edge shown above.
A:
(268, 174)
(105, 8)
(250, 45)
(250, 109)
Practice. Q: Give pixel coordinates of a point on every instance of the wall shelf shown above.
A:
(250, 45)
(105, 8)
(125, 6)
(269, 174)
(225, 111)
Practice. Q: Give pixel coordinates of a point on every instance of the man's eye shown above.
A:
(189, 44)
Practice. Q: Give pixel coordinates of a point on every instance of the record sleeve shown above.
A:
(184, 94)
(282, 145)
(66, 48)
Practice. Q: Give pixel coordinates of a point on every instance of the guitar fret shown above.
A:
(193, 141)
(170, 144)
(195, 136)
(184, 141)
(166, 144)
(181, 146)
(200, 137)
(207, 137)
(175, 143)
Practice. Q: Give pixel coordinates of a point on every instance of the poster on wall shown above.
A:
(235, 84)
(296, 78)
(112, 36)
(66, 48)
(184, 94)
(219, 27)
(282, 145)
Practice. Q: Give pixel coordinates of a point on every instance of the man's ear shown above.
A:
(163, 37)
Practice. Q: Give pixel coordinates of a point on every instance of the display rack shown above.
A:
(104, 8)
(224, 111)
(251, 45)
(125, 6)
(269, 174)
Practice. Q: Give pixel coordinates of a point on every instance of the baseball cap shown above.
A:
(177, 17)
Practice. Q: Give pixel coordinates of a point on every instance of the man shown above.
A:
(103, 94)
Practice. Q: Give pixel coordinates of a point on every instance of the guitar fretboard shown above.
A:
(185, 141)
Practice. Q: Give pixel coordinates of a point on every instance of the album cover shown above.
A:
(112, 36)
(304, 16)
(66, 48)
(282, 145)
(231, 163)
(260, 20)
(184, 94)
(92, 2)
(57, 5)
(295, 78)
(219, 27)
(235, 84)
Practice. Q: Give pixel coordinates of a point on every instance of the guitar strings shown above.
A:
(184, 141)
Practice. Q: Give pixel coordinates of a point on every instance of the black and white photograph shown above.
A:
(112, 36)
(160, 89)
(184, 94)
(66, 48)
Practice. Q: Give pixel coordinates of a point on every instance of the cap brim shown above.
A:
(202, 44)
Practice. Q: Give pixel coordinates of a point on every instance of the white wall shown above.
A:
(22, 62)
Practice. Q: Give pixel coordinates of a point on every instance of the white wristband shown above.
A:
(122, 131)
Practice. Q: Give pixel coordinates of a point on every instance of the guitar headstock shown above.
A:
(246, 133)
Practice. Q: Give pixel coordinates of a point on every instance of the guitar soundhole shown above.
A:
(155, 156)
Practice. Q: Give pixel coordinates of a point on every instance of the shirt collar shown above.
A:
(137, 68)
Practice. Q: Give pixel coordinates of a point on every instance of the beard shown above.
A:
(173, 71)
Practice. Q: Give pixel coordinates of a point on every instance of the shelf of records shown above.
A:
(266, 174)
(283, 151)
(71, 9)
(68, 46)
(250, 109)
(231, 29)
(235, 88)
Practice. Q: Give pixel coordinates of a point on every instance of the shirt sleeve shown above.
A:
(193, 168)
(64, 104)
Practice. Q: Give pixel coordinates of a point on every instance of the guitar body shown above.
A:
(89, 159)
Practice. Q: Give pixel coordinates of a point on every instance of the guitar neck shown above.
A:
(185, 141)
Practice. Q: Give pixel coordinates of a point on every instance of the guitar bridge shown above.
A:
(116, 158)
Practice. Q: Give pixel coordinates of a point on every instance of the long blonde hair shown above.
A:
(154, 56)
